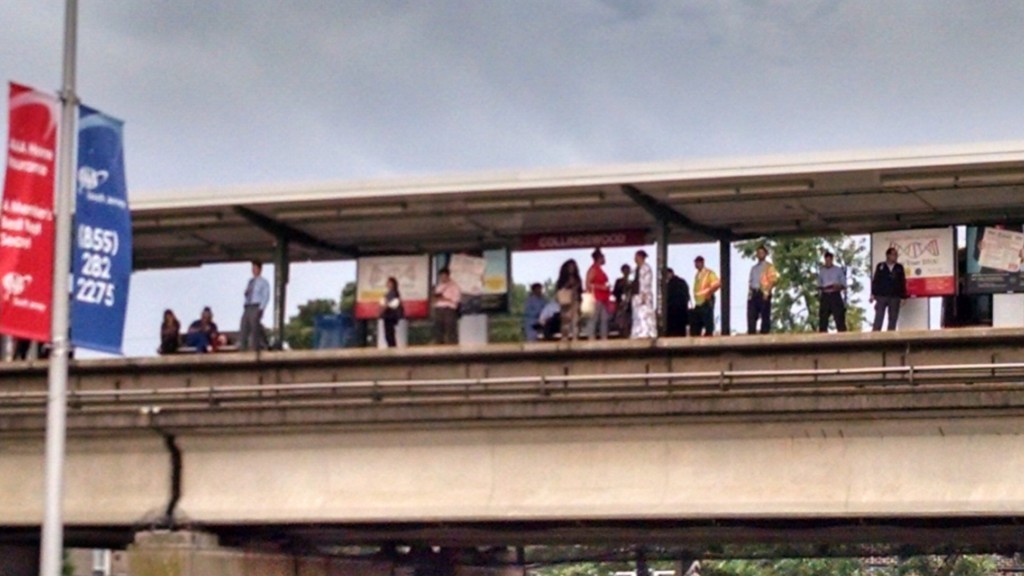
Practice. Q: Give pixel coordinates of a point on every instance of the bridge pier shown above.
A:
(191, 553)
(19, 560)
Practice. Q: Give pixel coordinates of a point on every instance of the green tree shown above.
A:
(785, 567)
(795, 299)
(348, 298)
(950, 565)
(508, 327)
(298, 332)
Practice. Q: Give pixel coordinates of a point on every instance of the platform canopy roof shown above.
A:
(705, 200)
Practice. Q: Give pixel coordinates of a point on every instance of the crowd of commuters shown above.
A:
(587, 305)
(590, 306)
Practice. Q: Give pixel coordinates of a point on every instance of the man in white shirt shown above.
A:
(257, 296)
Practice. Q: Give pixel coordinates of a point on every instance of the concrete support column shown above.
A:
(725, 274)
(473, 330)
(914, 315)
(1007, 310)
(662, 315)
(187, 553)
(641, 562)
(21, 560)
(281, 266)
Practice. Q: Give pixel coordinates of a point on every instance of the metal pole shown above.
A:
(662, 266)
(725, 255)
(51, 547)
(281, 269)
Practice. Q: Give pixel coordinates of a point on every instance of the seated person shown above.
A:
(550, 319)
(203, 334)
(170, 336)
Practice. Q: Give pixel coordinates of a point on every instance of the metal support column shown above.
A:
(725, 274)
(642, 569)
(663, 231)
(281, 268)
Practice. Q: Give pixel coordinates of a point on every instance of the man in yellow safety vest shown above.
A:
(705, 284)
(763, 277)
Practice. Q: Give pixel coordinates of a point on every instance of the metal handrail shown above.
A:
(377, 390)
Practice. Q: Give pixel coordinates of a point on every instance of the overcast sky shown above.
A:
(264, 91)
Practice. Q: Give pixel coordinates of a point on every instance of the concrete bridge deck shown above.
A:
(836, 439)
(742, 376)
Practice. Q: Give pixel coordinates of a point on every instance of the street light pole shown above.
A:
(51, 548)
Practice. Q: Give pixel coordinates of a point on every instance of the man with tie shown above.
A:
(257, 295)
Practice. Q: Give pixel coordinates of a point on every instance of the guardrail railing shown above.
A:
(531, 388)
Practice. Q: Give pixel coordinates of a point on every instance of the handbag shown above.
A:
(392, 310)
(565, 296)
(589, 304)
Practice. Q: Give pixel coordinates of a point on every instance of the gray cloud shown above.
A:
(265, 91)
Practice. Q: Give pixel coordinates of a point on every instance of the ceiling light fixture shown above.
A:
(567, 201)
(919, 181)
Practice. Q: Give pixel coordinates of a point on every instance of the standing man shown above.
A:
(446, 309)
(677, 293)
(257, 296)
(831, 285)
(888, 289)
(705, 284)
(597, 285)
(763, 277)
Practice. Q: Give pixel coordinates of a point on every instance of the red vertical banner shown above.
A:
(26, 215)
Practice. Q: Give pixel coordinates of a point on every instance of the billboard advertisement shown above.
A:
(412, 274)
(928, 256)
(994, 258)
(483, 277)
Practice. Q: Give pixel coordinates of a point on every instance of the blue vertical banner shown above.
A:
(102, 265)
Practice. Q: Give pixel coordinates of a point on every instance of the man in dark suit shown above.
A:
(678, 304)
(888, 289)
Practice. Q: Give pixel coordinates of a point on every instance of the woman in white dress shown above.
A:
(645, 325)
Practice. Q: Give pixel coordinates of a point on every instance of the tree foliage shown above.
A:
(950, 565)
(298, 332)
(795, 299)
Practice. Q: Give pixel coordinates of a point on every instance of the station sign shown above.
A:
(576, 240)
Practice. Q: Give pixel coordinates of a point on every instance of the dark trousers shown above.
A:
(250, 332)
(832, 305)
(882, 304)
(677, 322)
(704, 319)
(446, 326)
(389, 331)
(759, 307)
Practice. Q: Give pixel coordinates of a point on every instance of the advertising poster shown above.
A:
(928, 256)
(102, 257)
(26, 215)
(994, 257)
(483, 278)
(412, 274)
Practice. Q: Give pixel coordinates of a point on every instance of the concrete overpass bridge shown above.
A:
(894, 439)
